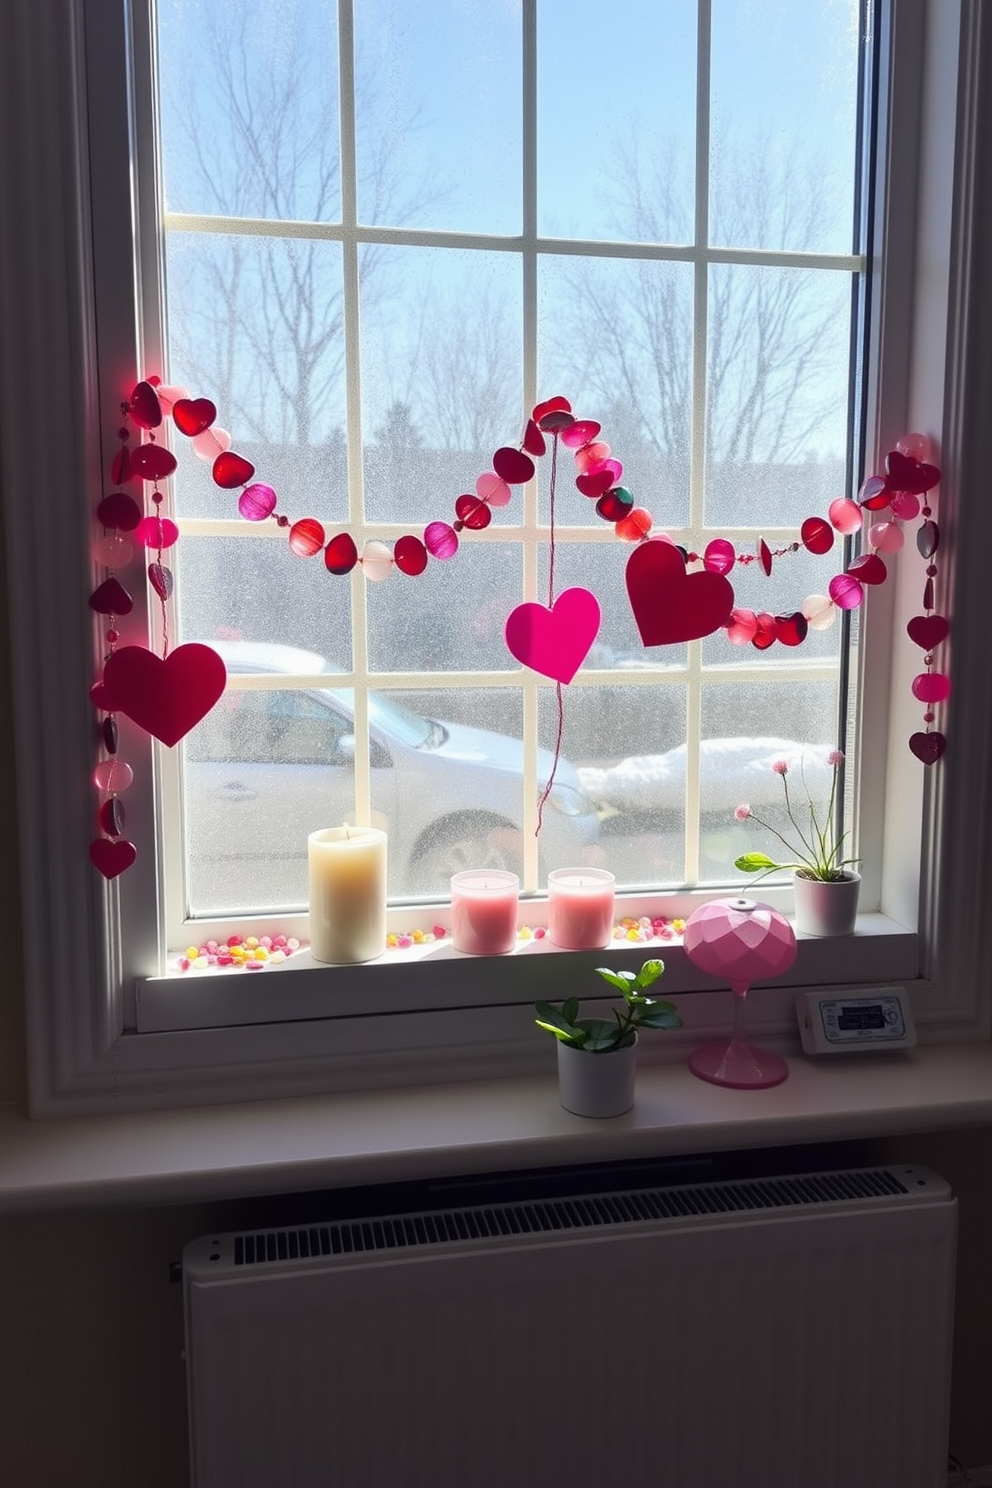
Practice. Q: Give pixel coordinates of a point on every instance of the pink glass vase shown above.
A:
(740, 941)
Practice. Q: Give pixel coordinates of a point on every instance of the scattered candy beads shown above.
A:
(252, 953)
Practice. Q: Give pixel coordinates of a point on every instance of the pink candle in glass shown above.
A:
(580, 908)
(484, 911)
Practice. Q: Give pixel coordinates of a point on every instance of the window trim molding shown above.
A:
(79, 1057)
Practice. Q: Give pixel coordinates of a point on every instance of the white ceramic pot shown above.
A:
(824, 907)
(596, 1084)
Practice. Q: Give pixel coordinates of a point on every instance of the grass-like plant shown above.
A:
(605, 1035)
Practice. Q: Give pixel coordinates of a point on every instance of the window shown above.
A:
(69, 191)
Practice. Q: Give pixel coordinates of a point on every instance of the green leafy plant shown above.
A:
(604, 1035)
(818, 854)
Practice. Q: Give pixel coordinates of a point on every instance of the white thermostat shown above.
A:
(880, 1019)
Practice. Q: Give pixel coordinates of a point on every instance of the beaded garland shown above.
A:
(675, 594)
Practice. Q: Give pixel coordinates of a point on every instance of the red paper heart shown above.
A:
(903, 473)
(513, 465)
(165, 698)
(144, 406)
(928, 747)
(193, 415)
(153, 462)
(554, 642)
(112, 857)
(111, 598)
(928, 631)
(670, 605)
(100, 698)
(232, 470)
(119, 511)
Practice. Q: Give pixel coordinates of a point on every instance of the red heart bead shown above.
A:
(928, 631)
(474, 513)
(111, 598)
(817, 535)
(160, 579)
(903, 473)
(928, 747)
(551, 405)
(193, 415)
(157, 532)
(112, 857)
(111, 814)
(670, 605)
(580, 433)
(513, 465)
(144, 407)
(153, 462)
(596, 484)
(232, 470)
(791, 630)
(410, 555)
(766, 633)
(341, 554)
(119, 511)
(614, 505)
(165, 698)
(534, 441)
(306, 537)
(869, 569)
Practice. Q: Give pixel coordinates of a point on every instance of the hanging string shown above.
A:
(551, 600)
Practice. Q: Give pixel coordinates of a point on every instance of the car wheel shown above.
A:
(471, 841)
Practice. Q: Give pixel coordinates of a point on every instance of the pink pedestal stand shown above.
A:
(741, 941)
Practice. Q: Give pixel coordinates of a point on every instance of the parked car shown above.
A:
(269, 765)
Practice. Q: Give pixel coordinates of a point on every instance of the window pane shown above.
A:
(437, 102)
(784, 83)
(449, 618)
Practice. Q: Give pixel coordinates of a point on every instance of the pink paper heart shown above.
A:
(112, 857)
(669, 604)
(928, 747)
(928, 631)
(165, 698)
(554, 642)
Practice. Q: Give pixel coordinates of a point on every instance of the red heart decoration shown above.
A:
(160, 579)
(928, 747)
(100, 698)
(341, 555)
(474, 513)
(232, 470)
(165, 698)
(410, 555)
(513, 465)
(551, 405)
(193, 415)
(534, 441)
(765, 632)
(670, 605)
(119, 511)
(111, 598)
(791, 630)
(928, 631)
(554, 642)
(144, 407)
(903, 473)
(153, 462)
(868, 569)
(157, 532)
(112, 857)
(595, 483)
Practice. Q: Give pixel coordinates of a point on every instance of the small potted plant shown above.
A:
(825, 885)
(597, 1056)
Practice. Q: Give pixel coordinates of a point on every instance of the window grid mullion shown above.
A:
(529, 550)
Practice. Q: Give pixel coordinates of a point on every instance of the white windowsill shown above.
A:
(284, 1146)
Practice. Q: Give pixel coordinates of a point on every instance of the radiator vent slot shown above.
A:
(581, 1212)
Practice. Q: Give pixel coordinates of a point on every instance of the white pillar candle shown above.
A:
(347, 894)
(580, 908)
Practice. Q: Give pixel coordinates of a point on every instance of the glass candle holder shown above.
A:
(347, 894)
(484, 911)
(580, 908)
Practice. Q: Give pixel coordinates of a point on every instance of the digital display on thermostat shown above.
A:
(854, 1016)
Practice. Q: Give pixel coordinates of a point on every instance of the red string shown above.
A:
(551, 599)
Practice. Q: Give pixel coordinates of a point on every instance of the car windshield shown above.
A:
(400, 723)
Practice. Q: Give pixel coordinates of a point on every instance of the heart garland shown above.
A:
(908, 464)
(168, 695)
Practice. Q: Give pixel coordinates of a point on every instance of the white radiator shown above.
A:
(781, 1332)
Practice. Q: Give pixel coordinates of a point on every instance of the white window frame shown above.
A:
(65, 247)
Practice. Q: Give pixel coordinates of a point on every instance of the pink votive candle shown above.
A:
(580, 908)
(484, 911)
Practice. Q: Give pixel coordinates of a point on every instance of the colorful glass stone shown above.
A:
(916, 446)
(742, 627)
(635, 525)
(111, 598)
(817, 535)
(583, 431)
(491, 489)
(845, 515)
(869, 569)
(928, 539)
(157, 532)
(440, 540)
(614, 468)
(377, 561)
(820, 611)
(410, 555)
(513, 465)
(874, 493)
(719, 556)
(790, 630)
(931, 687)
(845, 591)
(109, 733)
(193, 415)
(766, 631)
(595, 485)
(230, 470)
(211, 443)
(592, 455)
(341, 554)
(111, 816)
(144, 407)
(113, 776)
(153, 462)
(905, 505)
(113, 551)
(886, 537)
(472, 512)
(120, 511)
(160, 579)
(257, 502)
(306, 537)
(613, 505)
